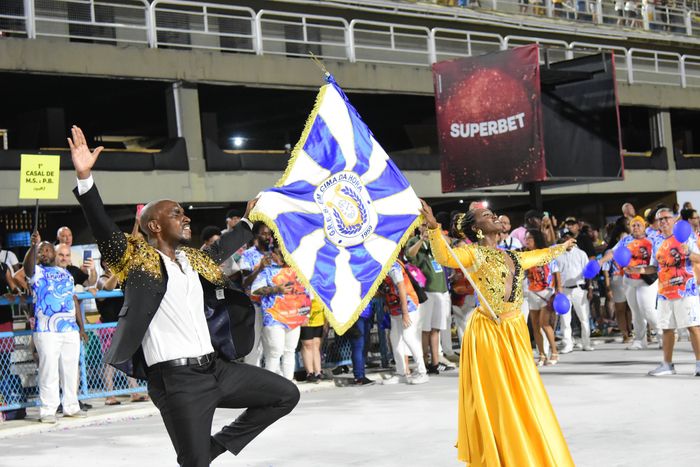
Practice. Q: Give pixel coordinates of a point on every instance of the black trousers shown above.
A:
(188, 395)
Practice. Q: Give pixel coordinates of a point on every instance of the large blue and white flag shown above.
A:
(342, 211)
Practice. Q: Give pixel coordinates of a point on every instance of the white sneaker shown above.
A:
(419, 379)
(636, 345)
(78, 414)
(578, 346)
(587, 348)
(48, 419)
(663, 370)
(391, 380)
(567, 349)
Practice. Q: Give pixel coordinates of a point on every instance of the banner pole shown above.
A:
(482, 299)
(36, 229)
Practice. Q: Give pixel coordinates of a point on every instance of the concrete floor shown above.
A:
(611, 413)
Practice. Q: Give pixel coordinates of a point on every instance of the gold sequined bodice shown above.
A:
(490, 270)
(125, 254)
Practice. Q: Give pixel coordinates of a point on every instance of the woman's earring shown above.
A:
(479, 234)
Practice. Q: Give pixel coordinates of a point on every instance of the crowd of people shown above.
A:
(668, 15)
(418, 313)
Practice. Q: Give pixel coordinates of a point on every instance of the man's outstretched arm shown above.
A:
(110, 239)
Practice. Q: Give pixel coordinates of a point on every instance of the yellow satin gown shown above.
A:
(505, 417)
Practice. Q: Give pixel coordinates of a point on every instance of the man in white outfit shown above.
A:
(571, 265)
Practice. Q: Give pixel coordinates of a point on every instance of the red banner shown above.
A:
(489, 119)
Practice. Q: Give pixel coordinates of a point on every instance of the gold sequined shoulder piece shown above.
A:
(138, 256)
(204, 265)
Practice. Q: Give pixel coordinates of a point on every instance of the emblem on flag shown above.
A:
(342, 210)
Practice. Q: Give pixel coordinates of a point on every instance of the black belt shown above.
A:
(581, 286)
(202, 360)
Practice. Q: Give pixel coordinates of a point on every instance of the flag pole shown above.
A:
(482, 299)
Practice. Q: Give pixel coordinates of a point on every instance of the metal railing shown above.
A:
(197, 25)
(295, 35)
(19, 371)
(115, 22)
(185, 24)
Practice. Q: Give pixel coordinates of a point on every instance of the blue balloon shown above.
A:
(561, 304)
(591, 269)
(622, 255)
(682, 231)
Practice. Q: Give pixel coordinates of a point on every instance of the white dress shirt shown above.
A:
(571, 265)
(179, 327)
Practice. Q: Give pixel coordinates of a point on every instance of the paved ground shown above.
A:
(611, 413)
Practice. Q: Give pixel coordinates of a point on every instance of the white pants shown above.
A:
(280, 342)
(253, 358)
(401, 338)
(642, 301)
(435, 311)
(461, 315)
(59, 359)
(579, 301)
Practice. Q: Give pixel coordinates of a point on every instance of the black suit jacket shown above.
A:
(229, 312)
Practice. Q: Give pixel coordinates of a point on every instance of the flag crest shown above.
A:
(342, 210)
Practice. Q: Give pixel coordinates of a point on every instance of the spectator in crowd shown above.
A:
(64, 235)
(508, 242)
(640, 292)
(524, 5)
(543, 282)
(211, 234)
(571, 265)
(57, 330)
(109, 309)
(233, 217)
(85, 275)
(285, 304)
(614, 283)
(402, 302)
(358, 346)
(8, 289)
(252, 262)
(8, 257)
(628, 211)
(533, 220)
(583, 240)
(631, 13)
(678, 303)
(435, 311)
(619, 7)
(547, 228)
(688, 205)
(311, 336)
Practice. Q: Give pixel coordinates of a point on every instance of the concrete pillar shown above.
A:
(182, 103)
(666, 135)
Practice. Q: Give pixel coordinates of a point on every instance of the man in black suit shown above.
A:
(182, 324)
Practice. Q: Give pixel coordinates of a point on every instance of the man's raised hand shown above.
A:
(83, 159)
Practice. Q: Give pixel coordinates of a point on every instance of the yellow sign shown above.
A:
(39, 176)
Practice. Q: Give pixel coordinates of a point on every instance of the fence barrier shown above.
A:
(19, 371)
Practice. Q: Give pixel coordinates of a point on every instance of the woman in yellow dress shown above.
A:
(505, 417)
